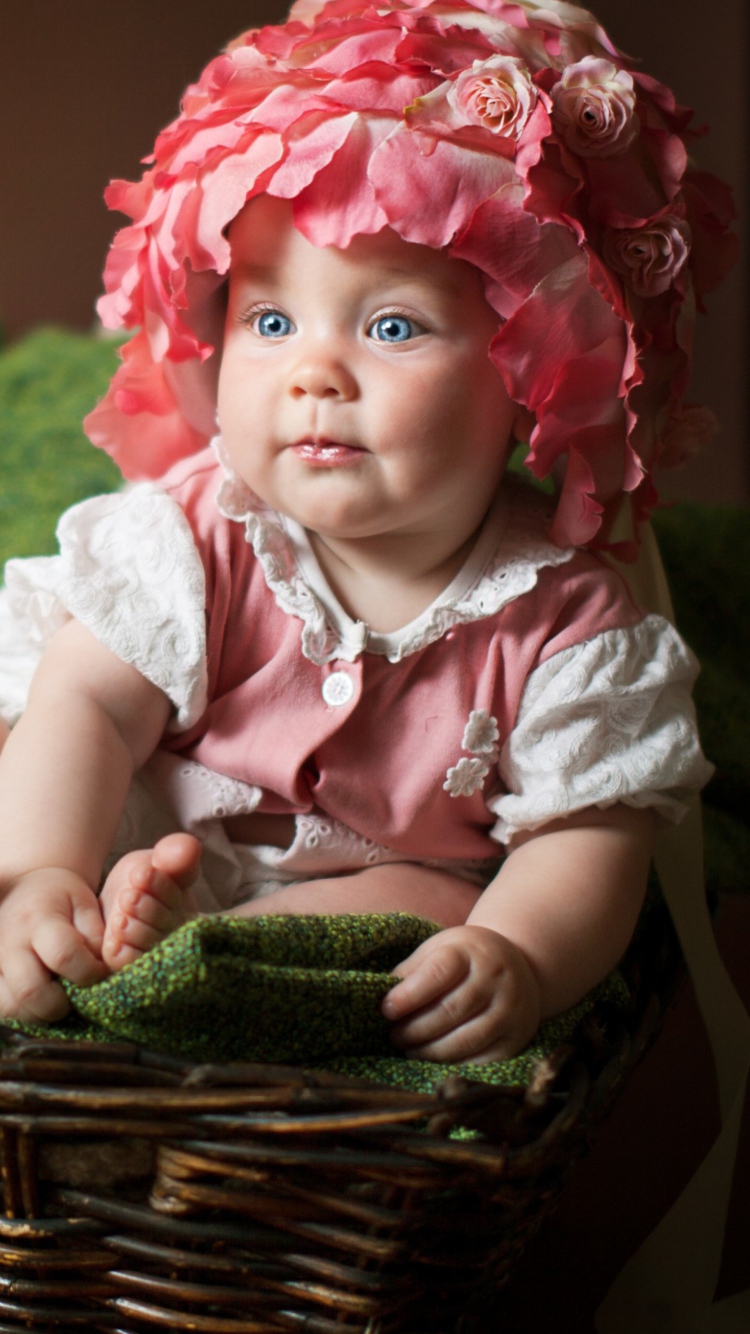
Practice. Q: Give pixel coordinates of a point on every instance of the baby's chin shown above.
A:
(341, 525)
(337, 508)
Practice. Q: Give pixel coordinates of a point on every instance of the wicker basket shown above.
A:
(142, 1193)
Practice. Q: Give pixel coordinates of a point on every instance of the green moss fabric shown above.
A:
(295, 990)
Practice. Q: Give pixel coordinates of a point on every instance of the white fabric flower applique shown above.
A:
(467, 776)
(480, 733)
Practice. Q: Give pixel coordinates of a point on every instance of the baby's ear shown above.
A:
(523, 424)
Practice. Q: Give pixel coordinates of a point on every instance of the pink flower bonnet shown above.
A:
(513, 134)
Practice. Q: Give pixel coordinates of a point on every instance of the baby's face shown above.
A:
(355, 391)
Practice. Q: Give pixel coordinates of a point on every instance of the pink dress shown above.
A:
(533, 685)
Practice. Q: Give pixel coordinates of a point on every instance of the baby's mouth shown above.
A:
(324, 453)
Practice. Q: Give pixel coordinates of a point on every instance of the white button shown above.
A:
(338, 688)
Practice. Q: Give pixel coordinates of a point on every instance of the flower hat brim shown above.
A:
(513, 135)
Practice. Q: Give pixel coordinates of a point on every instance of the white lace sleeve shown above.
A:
(609, 720)
(128, 569)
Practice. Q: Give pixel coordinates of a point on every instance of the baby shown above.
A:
(361, 666)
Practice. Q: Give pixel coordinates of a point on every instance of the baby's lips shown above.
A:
(327, 452)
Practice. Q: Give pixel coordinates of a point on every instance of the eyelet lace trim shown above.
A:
(608, 720)
(129, 571)
(266, 535)
(524, 549)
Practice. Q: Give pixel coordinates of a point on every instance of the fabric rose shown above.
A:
(649, 258)
(594, 108)
(497, 94)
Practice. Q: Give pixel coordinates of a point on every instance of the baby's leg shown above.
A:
(147, 896)
(393, 887)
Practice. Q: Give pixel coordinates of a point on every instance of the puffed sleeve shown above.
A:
(129, 570)
(608, 720)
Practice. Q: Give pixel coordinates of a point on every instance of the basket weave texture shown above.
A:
(142, 1192)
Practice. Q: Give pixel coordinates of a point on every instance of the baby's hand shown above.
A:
(50, 924)
(466, 994)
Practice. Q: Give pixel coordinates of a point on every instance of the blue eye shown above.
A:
(272, 324)
(393, 329)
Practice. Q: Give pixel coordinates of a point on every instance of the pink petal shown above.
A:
(138, 421)
(329, 211)
(454, 180)
(225, 190)
(379, 87)
(537, 129)
(623, 194)
(578, 515)
(583, 412)
(289, 103)
(552, 184)
(677, 118)
(279, 42)
(223, 132)
(430, 48)
(379, 44)
(563, 319)
(130, 197)
(309, 152)
(164, 213)
(512, 248)
(345, 44)
(710, 210)
(122, 277)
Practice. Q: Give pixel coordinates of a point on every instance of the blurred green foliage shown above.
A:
(48, 382)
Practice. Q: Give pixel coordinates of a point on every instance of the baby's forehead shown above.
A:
(268, 246)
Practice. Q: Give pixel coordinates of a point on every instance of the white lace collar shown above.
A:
(511, 549)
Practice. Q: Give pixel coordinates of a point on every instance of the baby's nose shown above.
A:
(321, 376)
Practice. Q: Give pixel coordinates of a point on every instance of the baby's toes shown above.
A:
(126, 939)
(134, 869)
(147, 908)
(161, 905)
(178, 857)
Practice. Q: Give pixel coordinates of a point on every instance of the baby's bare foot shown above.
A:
(146, 896)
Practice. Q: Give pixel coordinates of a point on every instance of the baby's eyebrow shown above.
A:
(445, 282)
(257, 272)
(424, 282)
(268, 274)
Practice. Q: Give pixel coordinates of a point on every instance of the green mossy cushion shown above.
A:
(299, 990)
(220, 989)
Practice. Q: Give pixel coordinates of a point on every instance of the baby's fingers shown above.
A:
(64, 951)
(27, 992)
(89, 923)
(483, 1036)
(425, 977)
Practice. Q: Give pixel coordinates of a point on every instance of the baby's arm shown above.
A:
(553, 923)
(90, 722)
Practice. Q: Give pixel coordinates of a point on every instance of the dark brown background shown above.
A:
(85, 85)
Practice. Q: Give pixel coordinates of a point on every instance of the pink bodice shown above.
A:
(370, 741)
